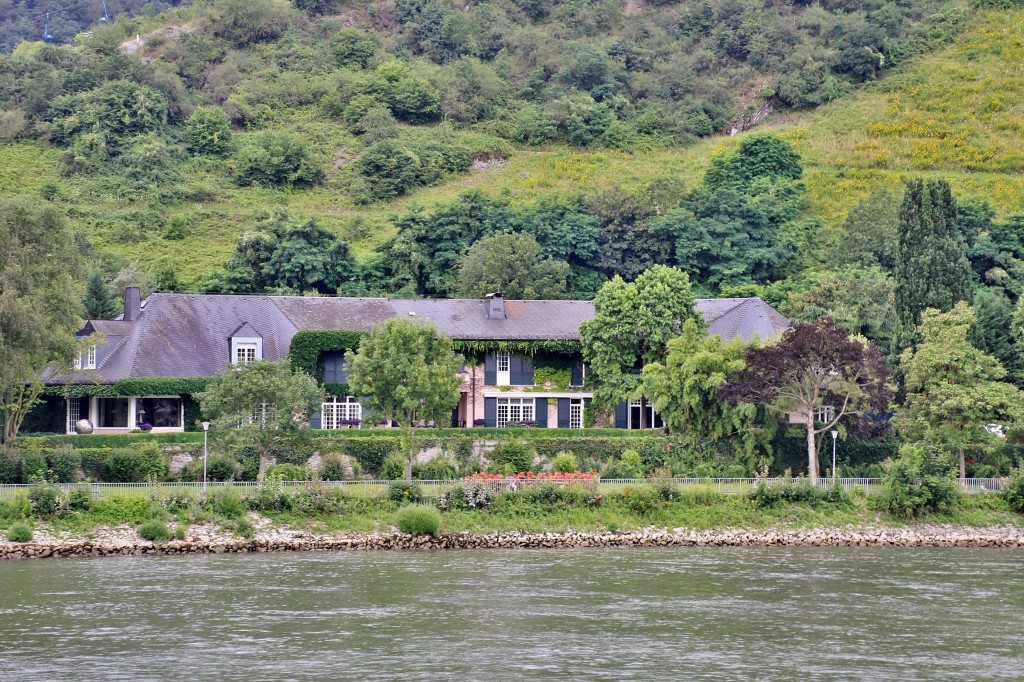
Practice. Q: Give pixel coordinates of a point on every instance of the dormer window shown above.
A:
(246, 345)
(86, 359)
(245, 353)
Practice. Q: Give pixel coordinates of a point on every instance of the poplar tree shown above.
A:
(932, 270)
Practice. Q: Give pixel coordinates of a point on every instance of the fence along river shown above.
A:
(609, 614)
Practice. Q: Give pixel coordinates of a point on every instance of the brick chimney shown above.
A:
(132, 304)
(494, 307)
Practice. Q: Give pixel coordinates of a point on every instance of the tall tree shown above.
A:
(932, 270)
(98, 303)
(684, 391)
(410, 374)
(263, 404)
(816, 370)
(512, 264)
(39, 304)
(954, 391)
(631, 327)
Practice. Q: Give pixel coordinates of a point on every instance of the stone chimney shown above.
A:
(132, 304)
(494, 307)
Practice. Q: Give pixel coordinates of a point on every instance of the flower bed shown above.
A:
(556, 476)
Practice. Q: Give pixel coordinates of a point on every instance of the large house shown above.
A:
(523, 364)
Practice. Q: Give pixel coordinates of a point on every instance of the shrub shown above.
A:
(437, 469)
(640, 499)
(469, 495)
(628, 466)
(222, 468)
(1014, 492)
(208, 131)
(404, 492)
(135, 465)
(10, 465)
(288, 472)
(19, 532)
(764, 496)
(154, 530)
(47, 500)
(418, 519)
(244, 528)
(517, 455)
(564, 462)
(666, 489)
(65, 461)
(333, 468)
(919, 481)
(279, 158)
(79, 500)
(33, 466)
(393, 467)
(228, 503)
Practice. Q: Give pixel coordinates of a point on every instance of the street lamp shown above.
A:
(206, 432)
(835, 435)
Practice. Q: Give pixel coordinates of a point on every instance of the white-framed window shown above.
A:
(74, 413)
(576, 413)
(245, 353)
(259, 414)
(515, 410)
(339, 412)
(653, 419)
(87, 358)
(503, 365)
(824, 413)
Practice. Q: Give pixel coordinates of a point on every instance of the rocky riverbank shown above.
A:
(123, 541)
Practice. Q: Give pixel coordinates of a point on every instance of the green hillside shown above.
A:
(956, 112)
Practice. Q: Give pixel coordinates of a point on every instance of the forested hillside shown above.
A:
(59, 21)
(369, 147)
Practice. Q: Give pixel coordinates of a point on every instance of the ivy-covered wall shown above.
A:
(308, 347)
(132, 387)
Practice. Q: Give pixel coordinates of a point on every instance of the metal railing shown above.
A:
(727, 486)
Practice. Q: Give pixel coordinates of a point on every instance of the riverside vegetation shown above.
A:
(166, 512)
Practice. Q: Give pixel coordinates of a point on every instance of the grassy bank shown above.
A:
(161, 513)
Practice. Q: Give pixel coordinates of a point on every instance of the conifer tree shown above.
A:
(97, 301)
(932, 270)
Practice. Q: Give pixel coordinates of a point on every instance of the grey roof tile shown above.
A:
(182, 335)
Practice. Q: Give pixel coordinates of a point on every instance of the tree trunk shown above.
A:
(412, 451)
(963, 468)
(812, 450)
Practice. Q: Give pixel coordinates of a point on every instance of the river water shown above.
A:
(673, 614)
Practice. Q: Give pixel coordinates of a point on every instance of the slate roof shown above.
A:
(185, 335)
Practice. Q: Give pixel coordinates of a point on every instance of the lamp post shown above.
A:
(835, 435)
(206, 432)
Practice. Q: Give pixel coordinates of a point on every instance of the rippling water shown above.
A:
(676, 614)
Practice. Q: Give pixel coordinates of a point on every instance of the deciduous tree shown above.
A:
(954, 391)
(511, 263)
(684, 391)
(409, 373)
(814, 366)
(263, 404)
(632, 325)
(39, 305)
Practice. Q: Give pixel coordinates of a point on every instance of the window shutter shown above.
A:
(622, 415)
(577, 374)
(490, 412)
(541, 413)
(563, 413)
(314, 421)
(490, 372)
(527, 372)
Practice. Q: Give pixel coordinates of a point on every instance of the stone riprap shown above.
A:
(119, 541)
